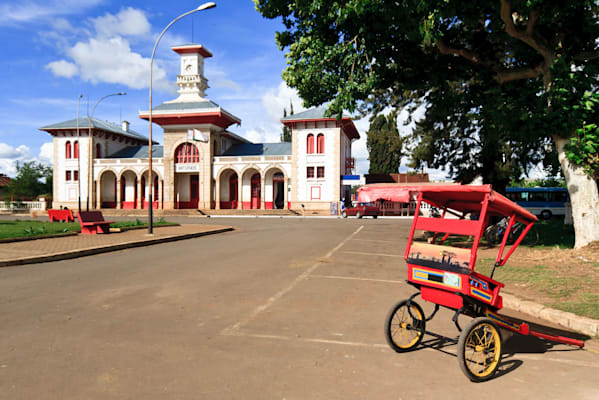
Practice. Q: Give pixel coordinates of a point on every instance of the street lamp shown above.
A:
(90, 178)
(204, 6)
(78, 156)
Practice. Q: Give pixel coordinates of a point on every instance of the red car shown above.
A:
(361, 210)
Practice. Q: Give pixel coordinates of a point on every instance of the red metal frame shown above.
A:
(445, 275)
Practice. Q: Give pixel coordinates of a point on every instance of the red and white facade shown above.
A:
(202, 165)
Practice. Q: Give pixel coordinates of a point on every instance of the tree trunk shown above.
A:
(583, 197)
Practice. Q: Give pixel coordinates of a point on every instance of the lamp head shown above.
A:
(121, 94)
(206, 6)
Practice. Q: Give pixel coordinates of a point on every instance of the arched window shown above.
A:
(98, 150)
(187, 153)
(310, 144)
(76, 148)
(67, 149)
(320, 143)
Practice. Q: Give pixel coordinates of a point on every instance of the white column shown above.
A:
(118, 194)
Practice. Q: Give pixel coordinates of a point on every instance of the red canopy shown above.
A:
(462, 198)
(388, 192)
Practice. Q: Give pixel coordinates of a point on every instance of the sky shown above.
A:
(55, 50)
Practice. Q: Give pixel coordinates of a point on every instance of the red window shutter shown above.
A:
(310, 144)
(320, 144)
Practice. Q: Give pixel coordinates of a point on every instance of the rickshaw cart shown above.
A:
(445, 276)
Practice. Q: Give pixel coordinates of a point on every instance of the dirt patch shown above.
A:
(565, 279)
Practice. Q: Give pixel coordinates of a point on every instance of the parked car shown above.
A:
(361, 210)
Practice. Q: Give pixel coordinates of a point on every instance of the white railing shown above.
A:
(22, 205)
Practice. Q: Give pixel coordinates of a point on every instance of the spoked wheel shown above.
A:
(402, 330)
(479, 350)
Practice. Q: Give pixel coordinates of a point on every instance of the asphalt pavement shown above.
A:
(275, 309)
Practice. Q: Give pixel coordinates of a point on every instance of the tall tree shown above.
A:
(379, 53)
(384, 145)
(470, 144)
(33, 179)
(286, 134)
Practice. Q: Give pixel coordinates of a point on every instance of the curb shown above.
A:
(108, 248)
(587, 326)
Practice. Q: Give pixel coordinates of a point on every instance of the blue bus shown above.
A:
(543, 201)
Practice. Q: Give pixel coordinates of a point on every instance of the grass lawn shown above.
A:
(29, 228)
(18, 229)
(551, 272)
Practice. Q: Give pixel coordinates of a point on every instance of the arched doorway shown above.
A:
(187, 168)
(233, 188)
(108, 190)
(145, 192)
(274, 189)
(251, 189)
(255, 191)
(128, 190)
(228, 183)
(278, 194)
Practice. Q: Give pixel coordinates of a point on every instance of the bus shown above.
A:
(542, 201)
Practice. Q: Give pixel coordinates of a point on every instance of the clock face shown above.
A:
(188, 68)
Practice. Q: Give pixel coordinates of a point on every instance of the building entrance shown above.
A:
(255, 191)
(194, 191)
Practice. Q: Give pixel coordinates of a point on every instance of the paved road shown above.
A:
(278, 309)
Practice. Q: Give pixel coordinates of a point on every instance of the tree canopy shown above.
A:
(32, 180)
(536, 62)
(384, 145)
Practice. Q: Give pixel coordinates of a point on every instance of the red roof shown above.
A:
(193, 49)
(218, 118)
(4, 180)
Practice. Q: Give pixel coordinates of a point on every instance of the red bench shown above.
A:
(65, 215)
(91, 221)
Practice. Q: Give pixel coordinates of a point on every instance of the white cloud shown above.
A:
(112, 61)
(274, 100)
(63, 69)
(128, 22)
(29, 11)
(264, 135)
(46, 155)
(9, 152)
(107, 57)
(10, 156)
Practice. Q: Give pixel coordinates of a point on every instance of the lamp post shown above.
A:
(204, 6)
(78, 157)
(90, 177)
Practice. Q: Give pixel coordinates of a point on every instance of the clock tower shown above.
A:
(191, 81)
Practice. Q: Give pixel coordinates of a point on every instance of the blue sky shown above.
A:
(54, 50)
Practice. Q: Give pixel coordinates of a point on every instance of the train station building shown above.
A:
(202, 164)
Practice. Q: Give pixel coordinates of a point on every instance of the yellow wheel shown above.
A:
(402, 330)
(479, 350)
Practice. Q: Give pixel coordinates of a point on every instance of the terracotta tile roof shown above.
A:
(4, 180)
